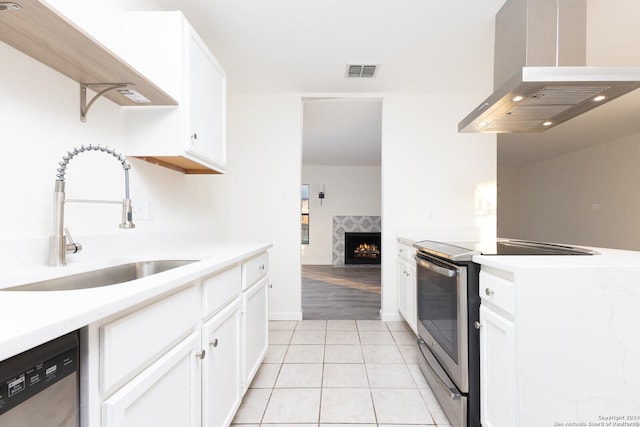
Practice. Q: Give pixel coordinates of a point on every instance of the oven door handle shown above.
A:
(436, 268)
(439, 373)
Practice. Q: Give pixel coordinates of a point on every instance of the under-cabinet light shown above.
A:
(134, 96)
(9, 6)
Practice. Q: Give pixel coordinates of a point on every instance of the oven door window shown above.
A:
(438, 304)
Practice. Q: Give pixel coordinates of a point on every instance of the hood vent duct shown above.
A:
(541, 81)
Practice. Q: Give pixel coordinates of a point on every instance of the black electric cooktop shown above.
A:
(464, 251)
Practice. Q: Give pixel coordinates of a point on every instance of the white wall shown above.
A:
(557, 197)
(259, 198)
(509, 204)
(261, 190)
(40, 123)
(350, 190)
(553, 200)
(612, 28)
(430, 178)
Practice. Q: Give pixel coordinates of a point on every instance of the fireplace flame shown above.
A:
(368, 250)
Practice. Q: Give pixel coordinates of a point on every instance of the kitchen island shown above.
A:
(559, 339)
(201, 328)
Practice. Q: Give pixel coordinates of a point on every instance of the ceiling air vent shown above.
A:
(361, 70)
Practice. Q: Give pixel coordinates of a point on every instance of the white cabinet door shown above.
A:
(403, 287)
(221, 378)
(412, 297)
(255, 329)
(497, 375)
(206, 88)
(166, 394)
(407, 293)
(191, 137)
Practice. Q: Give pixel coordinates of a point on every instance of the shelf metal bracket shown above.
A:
(84, 107)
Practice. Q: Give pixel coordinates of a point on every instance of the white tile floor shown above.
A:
(320, 372)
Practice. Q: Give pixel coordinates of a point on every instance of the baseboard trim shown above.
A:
(393, 316)
(285, 315)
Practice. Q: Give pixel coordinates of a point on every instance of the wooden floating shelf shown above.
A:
(50, 38)
(180, 164)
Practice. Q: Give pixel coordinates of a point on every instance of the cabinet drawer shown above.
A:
(254, 269)
(220, 289)
(133, 342)
(497, 292)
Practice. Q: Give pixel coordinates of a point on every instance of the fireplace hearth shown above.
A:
(362, 248)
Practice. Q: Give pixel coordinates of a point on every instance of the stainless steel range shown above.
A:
(448, 306)
(448, 318)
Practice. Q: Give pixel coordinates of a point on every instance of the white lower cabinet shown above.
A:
(255, 329)
(406, 286)
(118, 363)
(412, 292)
(221, 386)
(166, 394)
(184, 360)
(403, 288)
(497, 375)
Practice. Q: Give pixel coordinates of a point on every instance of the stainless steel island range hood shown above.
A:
(540, 76)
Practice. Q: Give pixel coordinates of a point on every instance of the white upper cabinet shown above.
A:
(190, 138)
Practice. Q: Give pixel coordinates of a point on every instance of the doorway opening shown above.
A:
(341, 176)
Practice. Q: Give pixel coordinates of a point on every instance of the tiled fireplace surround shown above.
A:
(355, 224)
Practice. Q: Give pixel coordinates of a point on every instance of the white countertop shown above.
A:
(32, 318)
(606, 258)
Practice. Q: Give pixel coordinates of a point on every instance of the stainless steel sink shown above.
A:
(102, 277)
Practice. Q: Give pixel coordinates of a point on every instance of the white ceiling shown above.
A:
(342, 131)
(303, 46)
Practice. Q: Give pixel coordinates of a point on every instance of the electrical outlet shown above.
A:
(142, 211)
(595, 207)
(139, 213)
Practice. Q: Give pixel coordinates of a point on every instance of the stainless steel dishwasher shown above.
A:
(40, 387)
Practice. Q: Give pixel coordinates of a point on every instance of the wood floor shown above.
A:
(351, 292)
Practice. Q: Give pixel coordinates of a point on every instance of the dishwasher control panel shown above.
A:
(28, 373)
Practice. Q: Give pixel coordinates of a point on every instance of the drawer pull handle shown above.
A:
(200, 355)
(488, 292)
(214, 343)
(477, 325)
(261, 267)
(194, 136)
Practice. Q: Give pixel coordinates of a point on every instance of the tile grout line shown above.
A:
(324, 348)
(359, 329)
(273, 387)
